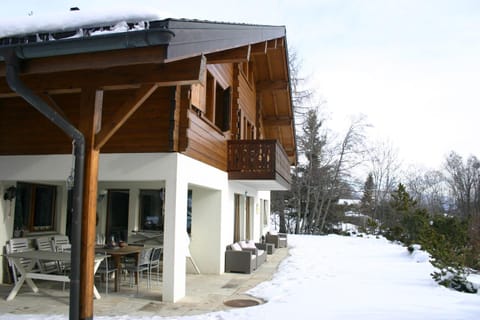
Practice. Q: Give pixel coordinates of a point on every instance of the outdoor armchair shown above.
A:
(260, 254)
(278, 239)
(238, 260)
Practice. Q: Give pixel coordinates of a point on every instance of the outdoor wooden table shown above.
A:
(26, 274)
(117, 253)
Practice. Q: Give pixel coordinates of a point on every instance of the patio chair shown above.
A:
(106, 268)
(141, 265)
(61, 243)
(45, 244)
(238, 260)
(156, 262)
(60, 240)
(278, 239)
(17, 245)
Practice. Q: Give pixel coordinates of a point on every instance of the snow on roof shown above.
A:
(72, 20)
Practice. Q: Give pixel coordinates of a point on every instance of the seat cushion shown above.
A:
(236, 247)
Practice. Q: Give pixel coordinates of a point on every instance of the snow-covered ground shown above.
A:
(336, 277)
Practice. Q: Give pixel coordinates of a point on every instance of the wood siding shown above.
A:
(246, 98)
(206, 143)
(147, 130)
(23, 130)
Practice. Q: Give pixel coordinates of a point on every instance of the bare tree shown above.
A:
(350, 152)
(384, 166)
(464, 181)
(428, 188)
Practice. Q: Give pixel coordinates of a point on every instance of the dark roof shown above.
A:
(184, 37)
(194, 36)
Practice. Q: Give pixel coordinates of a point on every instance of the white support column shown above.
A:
(174, 251)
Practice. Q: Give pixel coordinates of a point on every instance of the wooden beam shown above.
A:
(272, 44)
(183, 103)
(179, 72)
(229, 56)
(271, 85)
(98, 60)
(49, 100)
(277, 121)
(281, 43)
(90, 107)
(123, 113)
(259, 48)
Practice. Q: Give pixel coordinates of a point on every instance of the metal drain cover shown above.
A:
(242, 303)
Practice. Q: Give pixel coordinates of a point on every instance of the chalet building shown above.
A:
(186, 127)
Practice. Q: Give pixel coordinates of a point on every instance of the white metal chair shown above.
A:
(156, 262)
(61, 243)
(17, 245)
(142, 264)
(45, 244)
(106, 268)
(60, 240)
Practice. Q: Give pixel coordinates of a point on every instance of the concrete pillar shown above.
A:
(175, 240)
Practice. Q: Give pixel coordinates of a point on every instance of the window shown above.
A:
(222, 108)
(151, 209)
(218, 104)
(35, 207)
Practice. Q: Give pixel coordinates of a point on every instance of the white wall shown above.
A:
(35, 168)
(206, 230)
(257, 225)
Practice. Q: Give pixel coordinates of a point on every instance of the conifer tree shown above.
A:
(368, 201)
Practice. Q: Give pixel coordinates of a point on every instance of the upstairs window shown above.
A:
(218, 104)
(222, 108)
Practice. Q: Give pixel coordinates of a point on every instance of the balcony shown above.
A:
(260, 163)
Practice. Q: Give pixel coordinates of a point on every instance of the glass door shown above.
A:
(117, 215)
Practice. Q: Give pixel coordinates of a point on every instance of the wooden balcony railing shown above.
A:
(258, 160)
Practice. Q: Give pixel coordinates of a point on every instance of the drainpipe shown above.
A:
(15, 83)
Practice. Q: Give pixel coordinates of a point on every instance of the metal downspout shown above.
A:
(16, 84)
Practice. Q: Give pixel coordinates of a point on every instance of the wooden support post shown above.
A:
(90, 111)
(182, 122)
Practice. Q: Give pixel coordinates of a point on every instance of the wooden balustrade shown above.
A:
(258, 160)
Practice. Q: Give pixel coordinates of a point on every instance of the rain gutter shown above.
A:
(28, 47)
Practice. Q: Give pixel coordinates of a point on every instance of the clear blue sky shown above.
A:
(411, 66)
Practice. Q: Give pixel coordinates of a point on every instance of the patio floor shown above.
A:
(205, 293)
